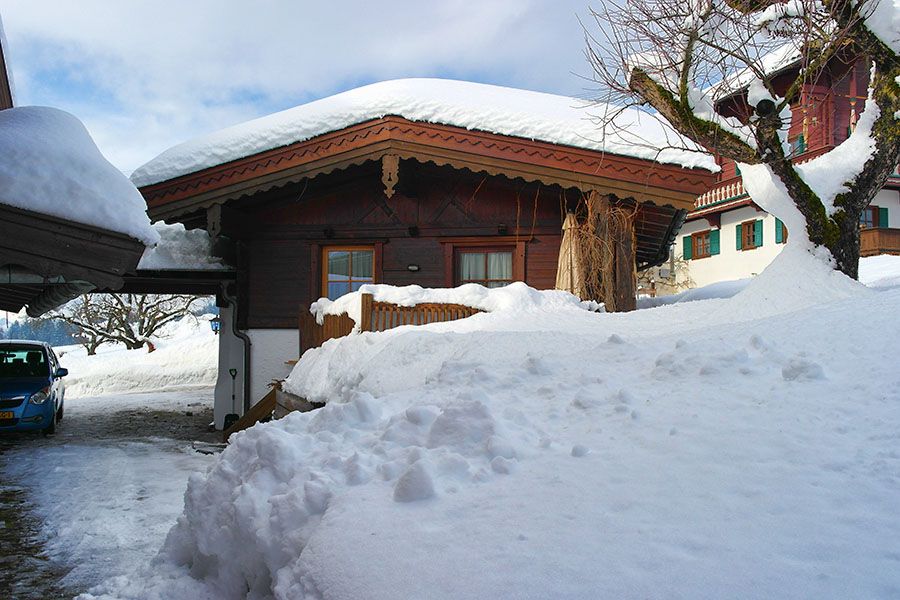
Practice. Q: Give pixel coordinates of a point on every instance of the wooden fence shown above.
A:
(377, 316)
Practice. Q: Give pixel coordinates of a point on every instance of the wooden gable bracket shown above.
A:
(390, 173)
(714, 220)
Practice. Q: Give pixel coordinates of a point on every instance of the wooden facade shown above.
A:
(416, 194)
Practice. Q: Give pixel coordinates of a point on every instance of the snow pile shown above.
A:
(718, 448)
(180, 249)
(506, 111)
(186, 356)
(52, 166)
(516, 296)
(880, 271)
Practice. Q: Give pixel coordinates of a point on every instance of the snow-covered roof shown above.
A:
(4, 61)
(51, 165)
(180, 249)
(502, 110)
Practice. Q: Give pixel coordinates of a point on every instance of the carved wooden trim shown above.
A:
(390, 173)
(477, 151)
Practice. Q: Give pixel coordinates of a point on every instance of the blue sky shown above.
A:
(144, 75)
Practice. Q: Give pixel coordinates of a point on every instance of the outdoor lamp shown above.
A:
(215, 324)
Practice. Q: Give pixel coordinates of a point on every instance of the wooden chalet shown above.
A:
(399, 201)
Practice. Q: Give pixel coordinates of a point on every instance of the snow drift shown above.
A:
(186, 356)
(708, 449)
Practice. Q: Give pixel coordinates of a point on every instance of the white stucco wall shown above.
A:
(231, 356)
(890, 199)
(731, 263)
(269, 351)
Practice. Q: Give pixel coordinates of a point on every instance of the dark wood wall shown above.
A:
(282, 232)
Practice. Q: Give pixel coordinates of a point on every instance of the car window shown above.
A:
(23, 361)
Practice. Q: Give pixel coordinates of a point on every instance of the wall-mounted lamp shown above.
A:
(412, 268)
(328, 232)
(215, 324)
(502, 229)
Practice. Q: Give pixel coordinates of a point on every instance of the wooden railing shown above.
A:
(879, 240)
(377, 316)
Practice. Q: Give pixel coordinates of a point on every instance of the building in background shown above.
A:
(728, 236)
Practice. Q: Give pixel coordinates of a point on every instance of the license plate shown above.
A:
(7, 415)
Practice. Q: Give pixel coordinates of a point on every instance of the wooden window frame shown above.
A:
(323, 256)
(873, 213)
(484, 244)
(486, 250)
(695, 246)
(751, 225)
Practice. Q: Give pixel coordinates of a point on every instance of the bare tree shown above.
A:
(715, 70)
(92, 324)
(129, 319)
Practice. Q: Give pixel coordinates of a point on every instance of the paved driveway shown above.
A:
(97, 499)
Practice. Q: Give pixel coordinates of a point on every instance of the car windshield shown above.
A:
(22, 361)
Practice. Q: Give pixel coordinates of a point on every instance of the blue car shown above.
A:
(31, 387)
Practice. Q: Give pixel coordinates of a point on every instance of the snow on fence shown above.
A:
(377, 316)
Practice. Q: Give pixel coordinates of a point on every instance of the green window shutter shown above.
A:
(687, 247)
(738, 233)
(882, 216)
(802, 143)
(757, 233)
(779, 231)
(714, 242)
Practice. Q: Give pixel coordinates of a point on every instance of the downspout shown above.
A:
(232, 302)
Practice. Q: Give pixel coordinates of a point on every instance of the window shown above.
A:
(874, 216)
(701, 244)
(749, 235)
(798, 145)
(781, 233)
(489, 267)
(346, 270)
(22, 361)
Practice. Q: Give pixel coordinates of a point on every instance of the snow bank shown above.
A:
(880, 271)
(186, 356)
(516, 296)
(52, 166)
(506, 111)
(708, 449)
(180, 249)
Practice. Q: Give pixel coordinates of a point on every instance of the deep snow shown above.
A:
(186, 356)
(736, 447)
(496, 109)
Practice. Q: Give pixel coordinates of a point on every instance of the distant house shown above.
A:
(427, 182)
(727, 236)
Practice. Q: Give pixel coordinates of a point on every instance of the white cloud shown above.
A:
(145, 75)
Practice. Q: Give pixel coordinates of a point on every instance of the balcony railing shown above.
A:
(879, 240)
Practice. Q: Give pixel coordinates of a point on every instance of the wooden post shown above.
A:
(365, 308)
(625, 292)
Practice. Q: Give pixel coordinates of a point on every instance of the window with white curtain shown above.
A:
(490, 268)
